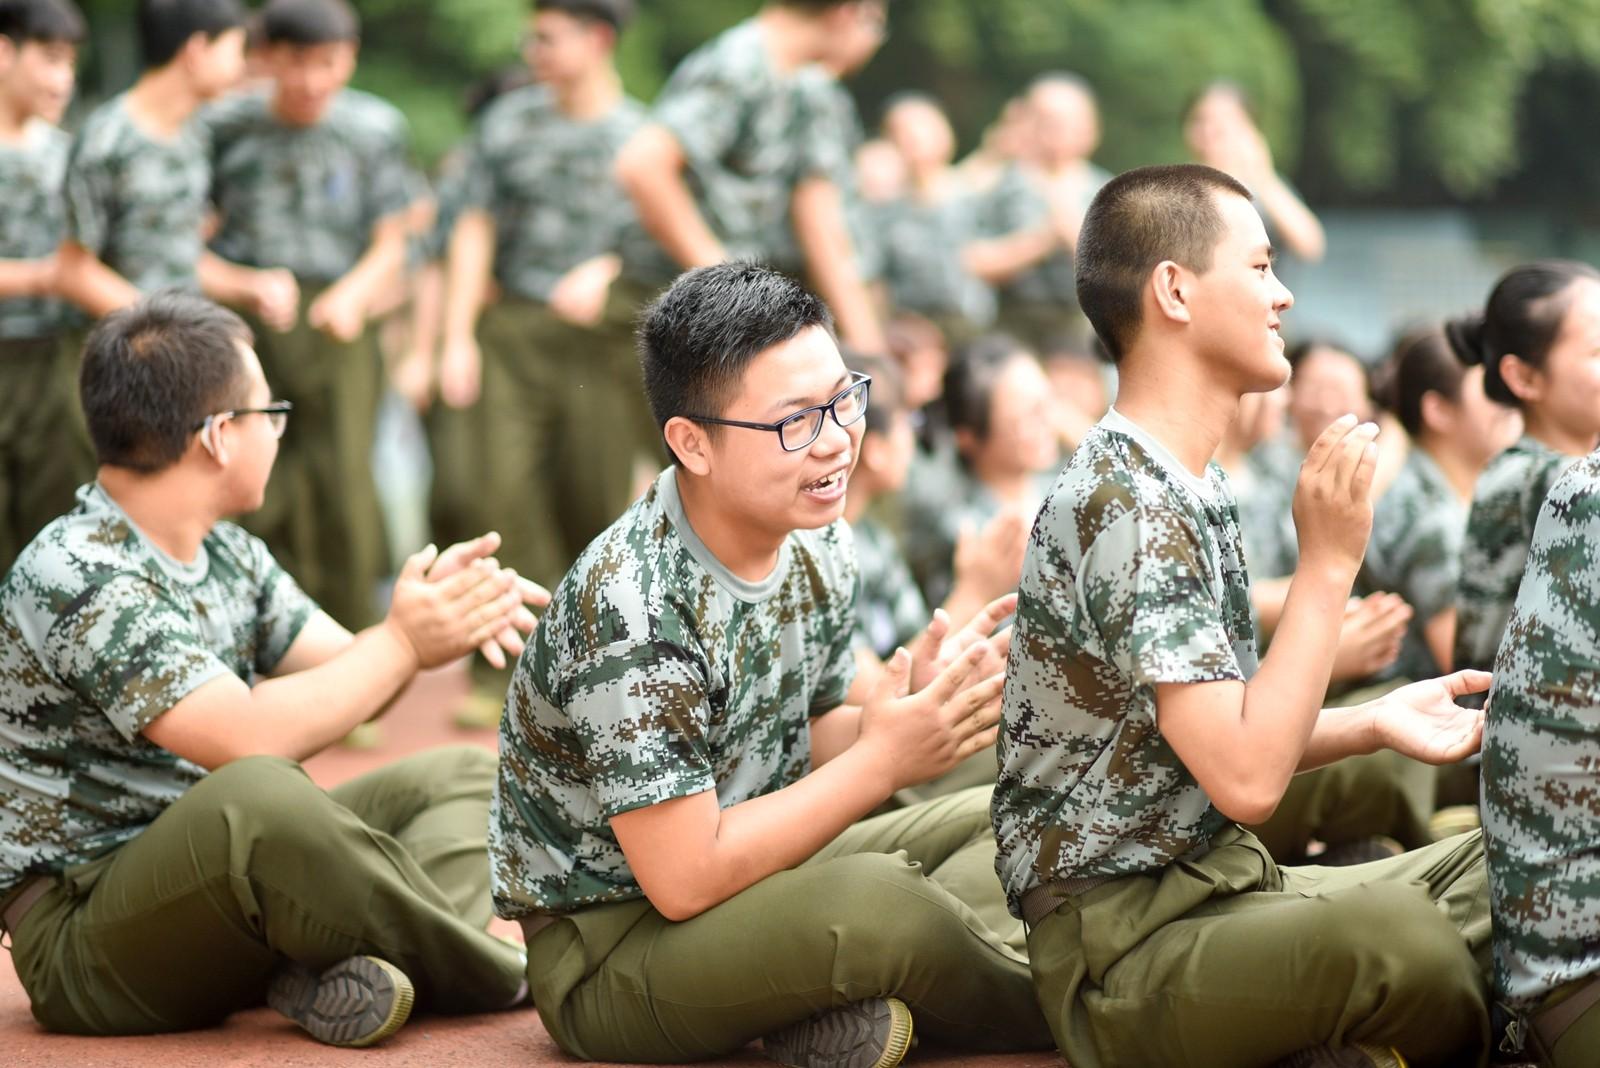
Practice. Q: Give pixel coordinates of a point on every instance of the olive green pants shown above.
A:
(321, 516)
(1231, 960)
(44, 453)
(904, 904)
(255, 866)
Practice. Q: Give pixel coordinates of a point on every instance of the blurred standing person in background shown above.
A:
(42, 460)
(726, 159)
(314, 178)
(1056, 180)
(543, 222)
(1221, 132)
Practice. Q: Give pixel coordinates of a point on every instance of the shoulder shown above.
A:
(233, 114)
(370, 116)
(72, 559)
(732, 57)
(103, 135)
(512, 112)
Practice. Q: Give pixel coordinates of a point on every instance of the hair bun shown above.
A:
(1465, 335)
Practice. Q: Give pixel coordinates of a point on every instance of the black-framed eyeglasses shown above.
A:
(277, 414)
(799, 430)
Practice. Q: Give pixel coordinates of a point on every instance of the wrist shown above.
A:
(394, 634)
(875, 763)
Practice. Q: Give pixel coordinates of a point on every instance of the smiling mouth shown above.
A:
(823, 485)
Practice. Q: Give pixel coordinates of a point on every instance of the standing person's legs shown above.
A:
(868, 917)
(1228, 960)
(252, 868)
(43, 458)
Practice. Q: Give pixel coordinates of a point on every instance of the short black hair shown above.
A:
(41, 22)
(153, 371)
(305, 23)
(614, 13)
(1523, 318)
(697, 338)
(970, 380)
(165, 26)
(1139, 219)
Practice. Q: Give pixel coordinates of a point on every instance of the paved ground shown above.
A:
(262, 1039)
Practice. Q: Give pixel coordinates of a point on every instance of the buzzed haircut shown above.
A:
(614, 13)
(305, 23)
(1062, 79)
(41, 22)
(697, 338)
(1138, 220)
(153, 372)
(165, 26)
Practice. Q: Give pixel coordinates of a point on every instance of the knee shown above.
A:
(1395, 934)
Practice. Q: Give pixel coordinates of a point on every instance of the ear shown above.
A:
(966, 441)
(690, 444)
(1438, 414)
(1169, 287)
(1525, 382)
(193, 50)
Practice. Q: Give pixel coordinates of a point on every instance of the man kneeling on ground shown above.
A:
(164, 861)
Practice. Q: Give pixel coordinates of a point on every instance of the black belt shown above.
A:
(23, 900)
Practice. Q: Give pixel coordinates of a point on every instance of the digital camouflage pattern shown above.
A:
(923, 242)
(1505, 505)
(306, 197)
(833, 118)
(137, 203)
(890, 611)
(548, 182)
(32, 221)
(657, 674)
(1540, 778)
(101, 633)
(1020, 202)
(1134, 576)
(745, 131)
(1418, 527)
(1266, 509)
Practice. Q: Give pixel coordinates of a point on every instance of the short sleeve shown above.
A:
(639, 710)
(130, 651)
(396, 182)
(282, 610)
(1146, 579)
(704, 112)
(1430, 570)
(88, 191)
(825, 140)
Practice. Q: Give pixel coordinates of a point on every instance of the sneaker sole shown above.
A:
(356, 1003)
(847, 1037)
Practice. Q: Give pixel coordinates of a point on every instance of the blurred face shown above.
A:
(1214, 121)
(922, 134)
(1081, 384)
(880, 172)
(308, 77)
(1066, 123)
(37, 77)
(1476, 426)
(857, 31)
(889, 454)
(1327, 384)
(215, 65)
(1021, 438)
(752, 477)
(1237, 305)
(561, 49)
(1567, 388)
(248, 442)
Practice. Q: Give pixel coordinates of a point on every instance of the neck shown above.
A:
(1460, 471)
(1185, 410)
(792, 39)
(1008, 486)
(162, 101)
(1541, 429)
(750, 554)
(13, 121)
(161, 506)
(591, 96)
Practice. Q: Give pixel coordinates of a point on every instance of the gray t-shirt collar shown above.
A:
(1121, 424)
(750, 592)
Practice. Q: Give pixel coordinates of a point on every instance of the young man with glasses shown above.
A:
(675, 822)
(164, 860)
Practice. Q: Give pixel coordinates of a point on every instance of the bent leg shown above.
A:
(1358, 797)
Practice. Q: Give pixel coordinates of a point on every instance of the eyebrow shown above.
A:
(807, 402)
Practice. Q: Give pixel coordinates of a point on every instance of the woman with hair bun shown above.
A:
(1538, 340)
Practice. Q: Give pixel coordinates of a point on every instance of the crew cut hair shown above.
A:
(1139, 219)
(41, 22)
(165, 26)
(153, 371)
(306, 23)
(697, 338)
(614, 13)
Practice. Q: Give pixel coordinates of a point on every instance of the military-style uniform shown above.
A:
(657, 674)
(1040, 305)
(307, 199)
(923, 242)
(1161, 933)
(563, 405)
(172, 895)
(1266, 509)
(43, 456)
(1505, 504)
(1539, 778)
(834, 119)
(890, 611)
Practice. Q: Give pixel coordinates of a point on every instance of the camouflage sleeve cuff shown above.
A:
(656, 792)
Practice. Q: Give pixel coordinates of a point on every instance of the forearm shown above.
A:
(1267, 598)
(427, 310)
(375, 274)
(225, 282)
(1340, 733)
(467, 270)
(90, 284)
(651, 171)
(834, 732)
(24, 278)
(999, 260)
(824, 240)
(1299, 228)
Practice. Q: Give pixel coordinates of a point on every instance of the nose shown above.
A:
(1282, 300)
(834, 438)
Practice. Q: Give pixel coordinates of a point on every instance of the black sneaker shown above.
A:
(1359, 1055)
(875, 1033)
(1360, 851)
(358, 1002)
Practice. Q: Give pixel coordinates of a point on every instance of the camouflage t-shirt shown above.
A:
(306, 197)
(1540, 778)
(100, 634)
(32, 220)
(834, 119)
(136, 202)
(1134, 576)
(548, 182)
(1021, 203)
(658, 674)
(1418, 527)
(923, 242)
(1505, 505)
(744, 129)
(890, 611)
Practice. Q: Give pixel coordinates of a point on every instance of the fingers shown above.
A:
(955, 675)
(1349, 456)
(977, 707)
(1323, 448)
(417, 564)
(458, 556)
(533, 593)
(993, 614)
(491, 652)
(895, 682)
(926, 645)
(1464, 682)
(466, 581)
